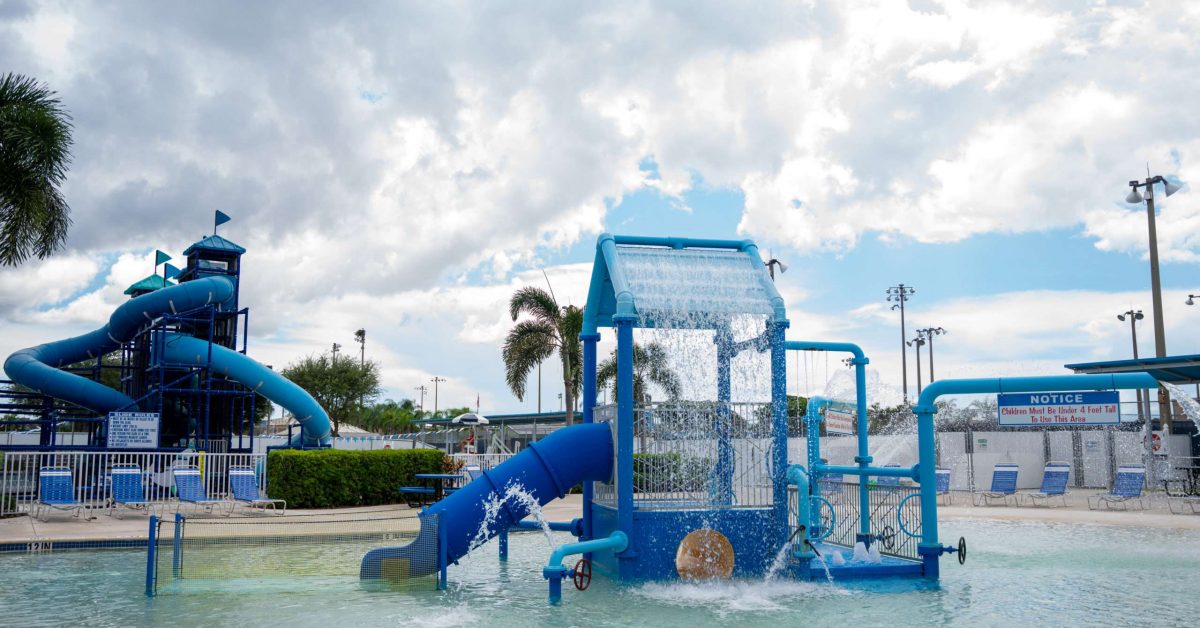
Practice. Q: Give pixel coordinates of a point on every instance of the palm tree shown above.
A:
(549, 329)
(35, 143)
(650, 366)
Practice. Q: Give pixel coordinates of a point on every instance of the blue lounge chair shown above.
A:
(1054, 484)
(1127, 489)
(56, 491)
(942, 484)
(127, 489)
(244, 483)
(189, 489)
(1004, 485)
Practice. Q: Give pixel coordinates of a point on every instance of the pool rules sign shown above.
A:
(1059, 408)
(133, 430)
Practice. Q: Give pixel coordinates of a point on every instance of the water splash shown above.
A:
(1190, 407)
(825, 566)
(519, 500)
(781, 560)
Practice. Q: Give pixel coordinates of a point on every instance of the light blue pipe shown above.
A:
(863, 458)
(555, 571)
(889, 472)
(314, 422)
(798, 476)
(38, 367)
(929, 548)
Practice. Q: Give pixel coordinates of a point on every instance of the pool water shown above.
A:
(1017, 574)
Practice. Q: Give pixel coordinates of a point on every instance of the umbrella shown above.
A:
(470, 418)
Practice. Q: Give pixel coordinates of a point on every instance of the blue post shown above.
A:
(798, 476)
(443, 554)
(812, 424)
(177, 547)
(151, 558)
(624, 429)
(502, 541)
(589, 416)
(722, 487)
(779, 427)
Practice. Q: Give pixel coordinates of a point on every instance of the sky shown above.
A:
(404, 167)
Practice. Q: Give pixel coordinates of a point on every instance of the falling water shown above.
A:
(515, 495)
(1190, 407)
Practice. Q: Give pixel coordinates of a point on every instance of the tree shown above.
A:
(35, 143)
(338, 382)
(549, 329)
(650, 366)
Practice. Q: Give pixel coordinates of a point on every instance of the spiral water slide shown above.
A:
(40, 367)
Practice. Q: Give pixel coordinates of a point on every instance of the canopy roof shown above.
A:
(646, 279)
(215, 243)
(1179, 369)
(149, 284)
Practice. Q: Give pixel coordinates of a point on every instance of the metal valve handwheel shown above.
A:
(583, 574)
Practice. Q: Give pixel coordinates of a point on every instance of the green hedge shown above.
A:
(333, 478)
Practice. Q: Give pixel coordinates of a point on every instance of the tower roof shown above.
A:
(149, 284)
(215, 243)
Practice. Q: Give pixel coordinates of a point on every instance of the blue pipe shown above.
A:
(555, 571)
(929, 548)
(574, 526)
(798, 476)
(890, 472)
(863, 458)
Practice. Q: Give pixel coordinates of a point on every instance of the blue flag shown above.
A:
(160, 257)
(170, 272)
(220, 219)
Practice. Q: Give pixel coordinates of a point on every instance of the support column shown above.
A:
(723, 486)
(589, 415)
(624, 443)
(928, 548)
(863, 458)
(779, 461)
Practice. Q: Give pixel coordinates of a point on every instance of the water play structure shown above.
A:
(674, 484)
(180, 363)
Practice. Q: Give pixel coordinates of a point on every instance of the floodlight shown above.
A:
(1134, 196)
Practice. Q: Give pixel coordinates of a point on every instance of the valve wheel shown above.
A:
(583, 574)
(962, 549)
(888, 538)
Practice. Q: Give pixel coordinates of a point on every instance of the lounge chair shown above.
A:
(127, 490)
(942, 485)
(244, 483)
(189, 489)
(1191, 501)
(1127, 489)
(1004, 485)
(56, 491)
(1054, 485)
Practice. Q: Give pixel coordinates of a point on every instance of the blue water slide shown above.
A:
(546, 469)
(38, 367)
(181, 349)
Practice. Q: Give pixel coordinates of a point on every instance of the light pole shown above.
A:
(1160, 340)
(422, 389)
(435, 381)
(899, 294)
(336, 348)
(916, 344)
(1133, 318)
(929, 333)
(360, 337)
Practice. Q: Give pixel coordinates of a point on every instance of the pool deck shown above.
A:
(133, 527)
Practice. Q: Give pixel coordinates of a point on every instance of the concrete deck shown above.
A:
(64, 527)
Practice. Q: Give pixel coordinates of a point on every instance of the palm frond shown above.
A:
(536, 302)
(528, 344)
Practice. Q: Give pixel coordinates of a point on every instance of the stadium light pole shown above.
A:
(436, 380)
(1133, 317)
(1160, 340)
(899, 294)
(916, 344)
(929, 333)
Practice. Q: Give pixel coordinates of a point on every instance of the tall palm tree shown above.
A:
(35, 143)
(549, 329)
(650, 366)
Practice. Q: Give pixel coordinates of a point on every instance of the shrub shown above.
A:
(333, 478)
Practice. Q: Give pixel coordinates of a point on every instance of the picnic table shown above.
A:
(435, 485)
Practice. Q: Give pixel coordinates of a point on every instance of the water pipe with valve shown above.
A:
(555, 572)
(802, 550)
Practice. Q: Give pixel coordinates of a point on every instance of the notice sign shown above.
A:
(1059, 408)
(838, 421)
(133, 430)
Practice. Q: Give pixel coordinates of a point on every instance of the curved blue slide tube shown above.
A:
(546, 469)
(181, 349)
(38, 367)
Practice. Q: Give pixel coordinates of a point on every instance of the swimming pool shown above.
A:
(1017, 574)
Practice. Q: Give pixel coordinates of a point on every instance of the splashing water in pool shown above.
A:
(515, 495)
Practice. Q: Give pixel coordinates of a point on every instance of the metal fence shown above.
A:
(92, 474)
(890, 508)
(483, 461)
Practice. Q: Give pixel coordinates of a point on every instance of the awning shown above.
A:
(1178, 369)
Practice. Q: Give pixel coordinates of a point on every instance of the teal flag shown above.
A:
(220, 219)
(170, 272)
(160, 257)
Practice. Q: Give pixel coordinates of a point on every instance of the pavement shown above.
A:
(64, 527)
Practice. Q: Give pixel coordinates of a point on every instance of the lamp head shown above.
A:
(1134, 196)
(1121, 317)
(1171, 188)
(1137, 316)
(1190, 301)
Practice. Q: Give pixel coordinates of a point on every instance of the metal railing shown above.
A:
(889, 507)
(483, 461)
(92, 474)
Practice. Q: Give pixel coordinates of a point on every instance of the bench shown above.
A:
(420, 491)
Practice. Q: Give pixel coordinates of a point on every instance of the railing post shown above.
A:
(151, 558)
(624, 429)
(589, 416)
